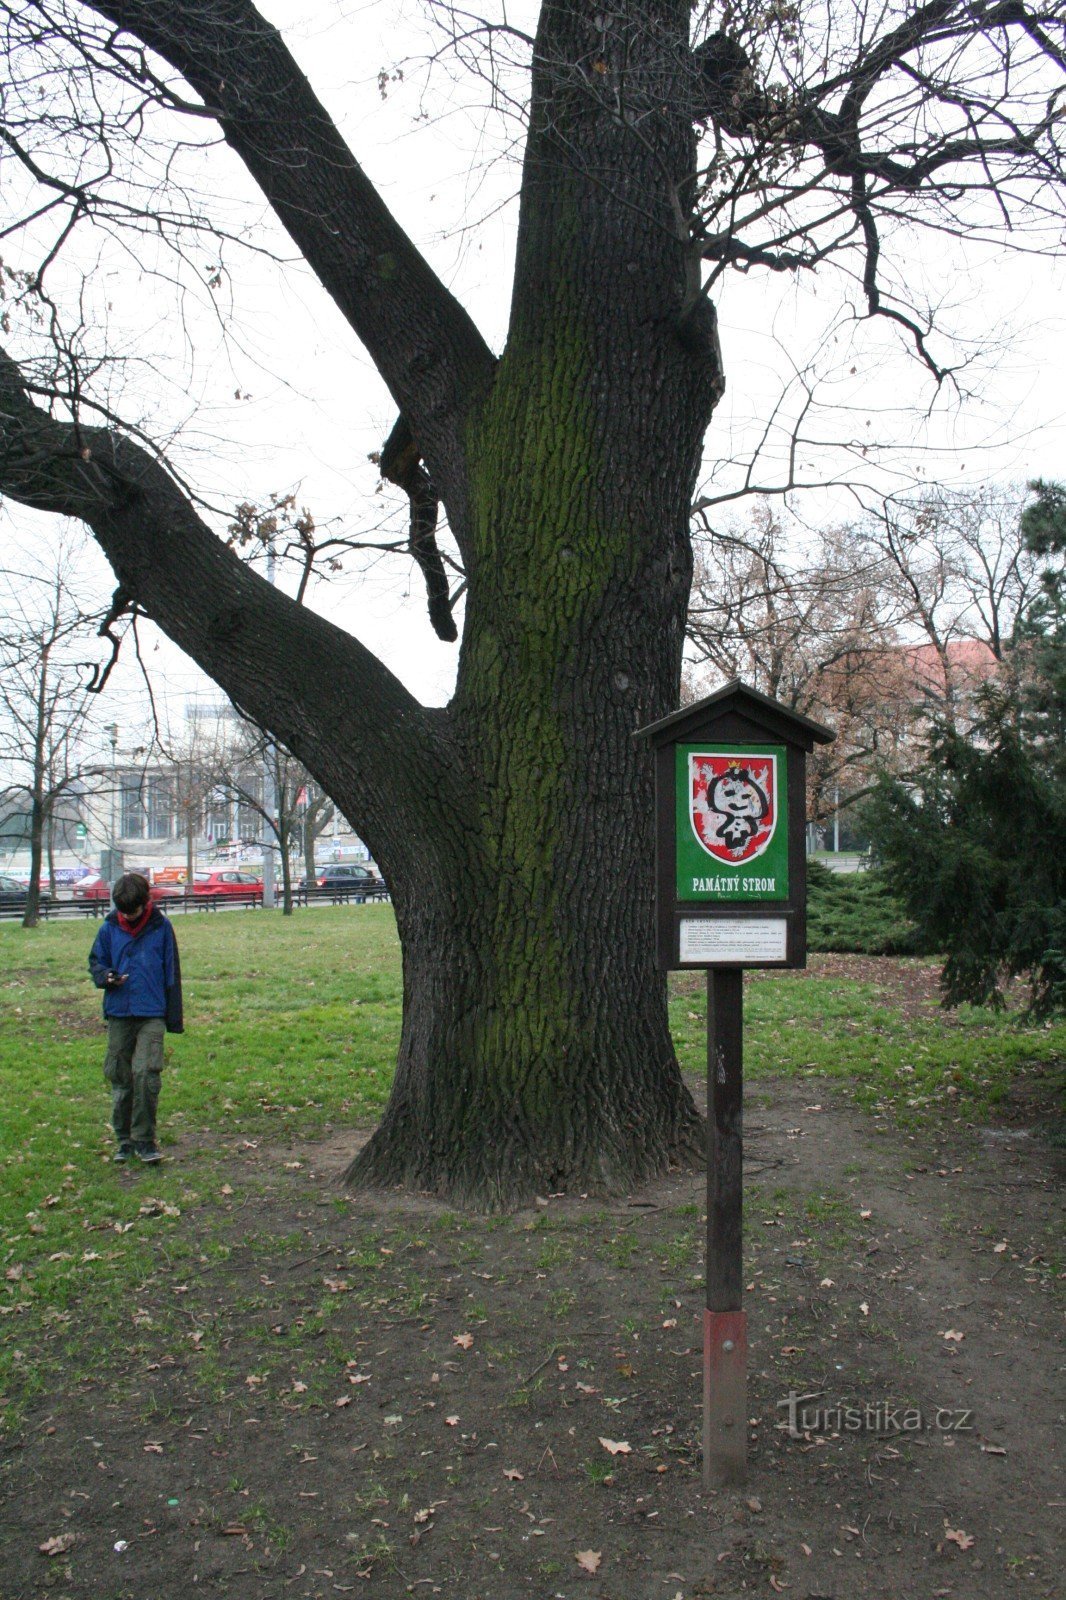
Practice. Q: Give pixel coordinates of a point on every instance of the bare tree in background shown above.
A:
(190, 766)
(239, 771)
(874, 628)
(956, 575)
(514, 825)
(806, 619)
(316, 814)
(48, 733)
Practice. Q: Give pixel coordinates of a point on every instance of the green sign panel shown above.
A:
(732, 822)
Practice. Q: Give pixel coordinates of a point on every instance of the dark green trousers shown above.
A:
(132, 1067)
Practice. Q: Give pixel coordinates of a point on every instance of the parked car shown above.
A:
(228, 881)
(348, 876)
(94, 888)
(98, 888)
(13, 894)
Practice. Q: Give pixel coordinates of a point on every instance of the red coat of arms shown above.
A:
(733, 804)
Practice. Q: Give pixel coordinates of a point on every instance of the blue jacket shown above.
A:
(150, 957)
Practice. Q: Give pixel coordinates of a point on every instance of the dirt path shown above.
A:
(323, 1396)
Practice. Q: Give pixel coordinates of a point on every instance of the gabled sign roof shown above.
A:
(735, 697)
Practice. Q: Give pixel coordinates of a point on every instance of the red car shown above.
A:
(93, 888)
(97, 888)
(229, 881)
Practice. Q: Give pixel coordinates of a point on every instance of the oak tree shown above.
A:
(661, 151)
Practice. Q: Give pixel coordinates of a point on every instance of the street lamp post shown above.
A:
(270, 799)
(111, 866)
(113, 839)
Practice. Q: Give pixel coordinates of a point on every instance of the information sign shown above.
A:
(746, 942)
(730, 891)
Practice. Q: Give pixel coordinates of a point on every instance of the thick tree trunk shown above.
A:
(535, 1048)
(535, 1052)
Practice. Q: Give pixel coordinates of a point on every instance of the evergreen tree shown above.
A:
(974, 847)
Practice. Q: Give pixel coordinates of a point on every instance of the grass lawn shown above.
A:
(875, 1028)
(293, 1025)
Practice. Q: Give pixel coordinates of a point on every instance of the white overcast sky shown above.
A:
(317, 409)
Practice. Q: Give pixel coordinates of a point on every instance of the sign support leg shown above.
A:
(725, 1324)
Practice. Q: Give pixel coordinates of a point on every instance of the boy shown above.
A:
(134, 960)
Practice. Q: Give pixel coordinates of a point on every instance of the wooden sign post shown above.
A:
(731, 892)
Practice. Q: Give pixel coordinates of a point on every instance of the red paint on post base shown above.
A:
(725, 1398)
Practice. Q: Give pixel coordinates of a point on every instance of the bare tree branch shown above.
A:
(423, 343)
(165, 556)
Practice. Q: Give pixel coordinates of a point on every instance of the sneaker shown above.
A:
(147, 1151)
(124, 1151)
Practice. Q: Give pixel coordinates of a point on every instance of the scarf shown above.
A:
(134, 925)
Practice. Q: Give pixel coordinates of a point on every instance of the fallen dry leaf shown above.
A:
(954, 1334)
(993, 1450)
(514, 1475)
(827, 1283)
(958, 1536)
(453, 1422)
(864, 1308)
(998, 1249)
(588, 1560)
(58, 1545)
(465, 1341)
(617, 1447)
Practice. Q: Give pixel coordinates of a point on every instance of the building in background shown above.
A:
(201, 804)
